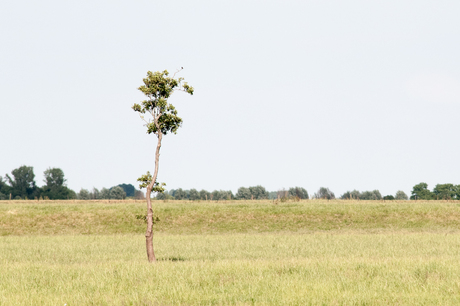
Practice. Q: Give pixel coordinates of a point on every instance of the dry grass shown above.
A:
(242, 269)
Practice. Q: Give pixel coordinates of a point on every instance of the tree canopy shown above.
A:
(23, 183)
(421, 192)
(158, 87)
(445, 191)
(55, 188)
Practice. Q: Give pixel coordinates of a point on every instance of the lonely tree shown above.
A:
(162, 119)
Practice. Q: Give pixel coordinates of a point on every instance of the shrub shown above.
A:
(298, 192)
(401, 195)
(324, 193)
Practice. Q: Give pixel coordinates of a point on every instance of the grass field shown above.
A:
(245, 253)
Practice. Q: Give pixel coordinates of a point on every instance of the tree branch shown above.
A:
(178, 70)
(142, 117)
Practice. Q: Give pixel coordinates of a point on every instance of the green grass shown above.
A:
(243, 253)
(182, 217)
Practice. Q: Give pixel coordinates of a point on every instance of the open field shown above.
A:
(246, 269)
(327, 253)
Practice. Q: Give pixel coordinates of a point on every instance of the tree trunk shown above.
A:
(149, 233)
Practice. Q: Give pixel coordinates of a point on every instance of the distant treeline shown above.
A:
(119, 192)
(21, 185)
(440, 192)
(259, 192)
(419, 192)
(243, 193)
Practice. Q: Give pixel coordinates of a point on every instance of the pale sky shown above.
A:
(341, 94)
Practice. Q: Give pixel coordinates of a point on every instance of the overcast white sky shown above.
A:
(342, 94)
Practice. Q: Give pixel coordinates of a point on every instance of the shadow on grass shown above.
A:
(171, 259)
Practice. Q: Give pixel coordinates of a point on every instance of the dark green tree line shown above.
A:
(440, 192)
(21, 185)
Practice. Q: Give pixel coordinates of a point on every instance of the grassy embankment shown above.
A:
(307, 253)
(183, 217)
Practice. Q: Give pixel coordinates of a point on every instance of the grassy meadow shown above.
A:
(244, 253)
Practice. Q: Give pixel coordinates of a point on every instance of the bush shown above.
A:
(243, 193)
(163, 196)
(324, 193)
(205, 195)
(298, 192)
(221, 195)
(180, 194)
(365, 195)
(193, 195)
(256, 192)
(350, 195)
(401, 195)
(117, 193)
(83, 194)
(371, 195)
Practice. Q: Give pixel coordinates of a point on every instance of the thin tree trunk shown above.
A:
(149, 233)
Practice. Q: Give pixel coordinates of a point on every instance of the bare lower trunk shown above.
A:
(149, 233)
